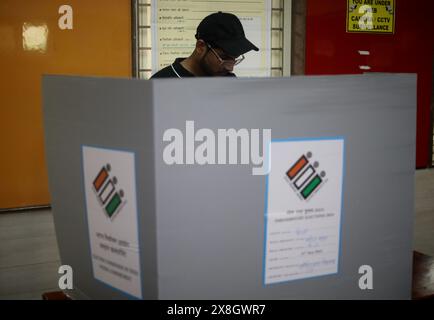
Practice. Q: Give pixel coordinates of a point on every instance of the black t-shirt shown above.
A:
(176, 70)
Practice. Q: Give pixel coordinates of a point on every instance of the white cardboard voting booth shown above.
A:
(233, 188)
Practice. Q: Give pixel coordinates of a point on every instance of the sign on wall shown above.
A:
(371, 16)
(174, 25)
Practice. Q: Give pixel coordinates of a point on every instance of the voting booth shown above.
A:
(289, 188)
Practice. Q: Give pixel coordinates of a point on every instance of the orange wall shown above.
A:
(99, 44)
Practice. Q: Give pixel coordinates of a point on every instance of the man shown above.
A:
(221, 44)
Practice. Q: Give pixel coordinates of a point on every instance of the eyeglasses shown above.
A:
(226, 62)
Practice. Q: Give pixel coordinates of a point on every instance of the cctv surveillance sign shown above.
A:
(371, 16)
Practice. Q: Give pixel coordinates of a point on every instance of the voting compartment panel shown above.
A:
(216, 223)
(99, 150)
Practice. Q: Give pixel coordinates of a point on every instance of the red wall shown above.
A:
(330, 50)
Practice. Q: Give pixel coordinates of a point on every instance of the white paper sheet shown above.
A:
(174, 26)
(303, 209)
(111, 205)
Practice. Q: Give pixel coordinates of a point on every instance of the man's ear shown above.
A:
(201, 47)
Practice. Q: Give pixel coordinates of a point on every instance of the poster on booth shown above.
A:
(111, 207)
(174, 26)
(303, 209)
(371, 16)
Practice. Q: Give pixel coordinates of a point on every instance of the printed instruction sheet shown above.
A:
(111, 207)
(303, 209)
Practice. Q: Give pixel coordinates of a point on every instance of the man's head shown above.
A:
(221, 43)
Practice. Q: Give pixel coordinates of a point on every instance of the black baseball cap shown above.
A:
(225, 31)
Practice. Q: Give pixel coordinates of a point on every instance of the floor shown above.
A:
(29, 257)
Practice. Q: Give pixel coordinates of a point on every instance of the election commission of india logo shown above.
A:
(305, 176)
(107, 191)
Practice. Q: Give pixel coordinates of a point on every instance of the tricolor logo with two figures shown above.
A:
(304, 177)
(106, 189)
